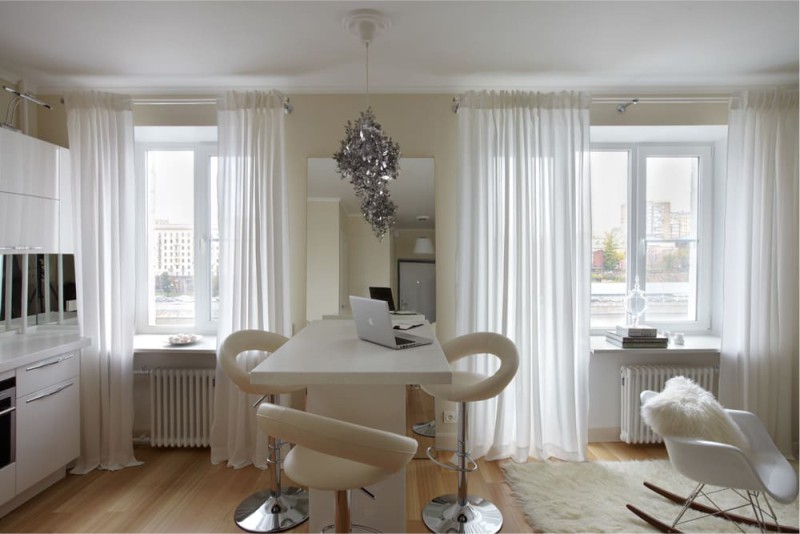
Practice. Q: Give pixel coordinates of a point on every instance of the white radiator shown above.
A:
(181, 407)
(638, 378)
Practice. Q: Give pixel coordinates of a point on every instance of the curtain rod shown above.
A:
(288, 107)
(625, 101)
(174, 101)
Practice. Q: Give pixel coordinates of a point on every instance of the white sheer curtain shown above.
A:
(100, 130)
(523, 260)
(254, 254)
(759, 332)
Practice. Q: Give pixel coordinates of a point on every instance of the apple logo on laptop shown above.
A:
(370, 322)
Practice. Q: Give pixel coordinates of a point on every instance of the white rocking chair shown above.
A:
(753, 474)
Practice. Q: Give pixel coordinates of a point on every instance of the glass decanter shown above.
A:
(635, 302)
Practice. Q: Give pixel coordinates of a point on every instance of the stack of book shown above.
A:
(636, 337)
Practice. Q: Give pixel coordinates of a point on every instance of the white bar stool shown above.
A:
(462, 512)
(336, 455)
(278, 508)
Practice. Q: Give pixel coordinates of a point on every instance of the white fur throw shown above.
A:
(686, 410)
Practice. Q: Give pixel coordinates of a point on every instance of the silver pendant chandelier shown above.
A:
(367, 156)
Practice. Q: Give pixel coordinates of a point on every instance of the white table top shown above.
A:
(328, 352)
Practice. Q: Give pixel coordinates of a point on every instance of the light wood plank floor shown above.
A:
(178, 490)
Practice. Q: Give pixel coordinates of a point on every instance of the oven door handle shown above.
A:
(7, 411)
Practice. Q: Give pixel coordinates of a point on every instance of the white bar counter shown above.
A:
(328, 352)
(360, 382)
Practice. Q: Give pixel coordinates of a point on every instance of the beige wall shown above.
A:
(369, 260)
(423, 125)
(652, 114)
(322, 268)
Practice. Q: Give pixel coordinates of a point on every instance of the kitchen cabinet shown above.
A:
(8, 475)
(48, 417)
(28, 224)
(66, 242)
(47, 421)
(28, 166)
(8, 467)
(30, 190)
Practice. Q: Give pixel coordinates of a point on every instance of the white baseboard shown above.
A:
(29, 493)
(604, 434)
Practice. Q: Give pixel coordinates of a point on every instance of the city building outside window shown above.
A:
(651, 218)
(177, 278)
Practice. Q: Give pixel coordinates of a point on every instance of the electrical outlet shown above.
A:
(448, 416)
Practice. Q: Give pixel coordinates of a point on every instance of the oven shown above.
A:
(8, 421)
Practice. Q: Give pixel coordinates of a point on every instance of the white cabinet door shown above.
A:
(48, 431)
(28, 224)
(28, 166)
(7, 482)
(66, 243)
(41, 374)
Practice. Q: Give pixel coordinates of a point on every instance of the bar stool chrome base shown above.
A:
(444, 514)
(263, 512)
(353, 528)
(425, 429)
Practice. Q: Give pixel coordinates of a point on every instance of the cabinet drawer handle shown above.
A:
(43, 395)
(53, 362)
(7, 411)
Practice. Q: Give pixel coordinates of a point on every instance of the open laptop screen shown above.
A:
(382, 293)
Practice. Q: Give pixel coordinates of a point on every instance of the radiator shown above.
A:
(637, 378)
(181, 407)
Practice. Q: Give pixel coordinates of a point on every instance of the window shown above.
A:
(651, 218)
(177, 278)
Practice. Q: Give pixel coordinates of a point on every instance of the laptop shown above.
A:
(382, 293)
(374, 324)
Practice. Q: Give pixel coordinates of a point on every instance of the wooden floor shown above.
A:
(178, 490)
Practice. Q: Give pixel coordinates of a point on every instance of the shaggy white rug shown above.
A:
(591, 497)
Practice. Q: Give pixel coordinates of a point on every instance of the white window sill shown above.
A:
(158, 343)
(702, 344)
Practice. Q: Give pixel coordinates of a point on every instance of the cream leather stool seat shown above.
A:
(278, 508)
(335, 455)
(462, 512)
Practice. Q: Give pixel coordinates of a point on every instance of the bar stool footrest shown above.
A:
(430, 451)
(353, 528)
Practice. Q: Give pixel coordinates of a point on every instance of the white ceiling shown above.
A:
(449, 46)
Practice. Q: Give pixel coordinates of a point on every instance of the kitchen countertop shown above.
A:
(17, 350)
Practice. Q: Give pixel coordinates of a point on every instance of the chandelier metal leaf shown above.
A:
(368, 157)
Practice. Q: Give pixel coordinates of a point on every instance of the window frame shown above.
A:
(636, 238)
(203, 324)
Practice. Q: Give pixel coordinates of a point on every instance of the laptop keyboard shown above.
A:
(402, 341)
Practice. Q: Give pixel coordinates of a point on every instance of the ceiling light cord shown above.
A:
(366, 45)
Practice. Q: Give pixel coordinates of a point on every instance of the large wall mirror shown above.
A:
(37, 289)
(345, 258)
